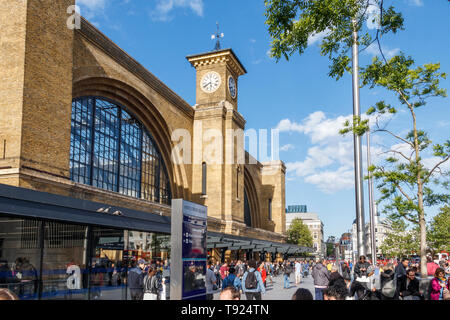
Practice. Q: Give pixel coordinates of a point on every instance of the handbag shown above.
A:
(446, 294)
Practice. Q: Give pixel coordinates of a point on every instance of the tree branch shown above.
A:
(394, 135)
(436, 166)
(400, 153)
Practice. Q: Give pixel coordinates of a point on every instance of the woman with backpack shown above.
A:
(388, 283)
(151, 285)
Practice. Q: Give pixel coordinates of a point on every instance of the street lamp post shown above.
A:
(371, 206)
(359, 191)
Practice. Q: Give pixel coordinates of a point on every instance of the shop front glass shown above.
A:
(20, 256)
(78, 262)
(108, 272)
(64, 262)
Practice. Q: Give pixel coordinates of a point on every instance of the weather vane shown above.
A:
(217, 36)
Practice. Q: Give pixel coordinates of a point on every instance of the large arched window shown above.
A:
(112, 150)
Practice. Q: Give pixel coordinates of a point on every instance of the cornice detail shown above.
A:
(92, 34)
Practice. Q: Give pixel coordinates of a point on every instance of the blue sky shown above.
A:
(296, 97)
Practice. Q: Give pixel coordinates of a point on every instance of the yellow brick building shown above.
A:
(84, 124)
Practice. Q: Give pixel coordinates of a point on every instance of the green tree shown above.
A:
(405, 183)
(298, 233)
(399, 241)
(291, 23)
(439, 231)
(330, 249)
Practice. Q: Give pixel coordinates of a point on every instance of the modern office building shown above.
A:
(90, 159)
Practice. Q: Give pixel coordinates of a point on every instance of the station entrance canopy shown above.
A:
(231, 242)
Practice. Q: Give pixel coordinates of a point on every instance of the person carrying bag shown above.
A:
(151, 287)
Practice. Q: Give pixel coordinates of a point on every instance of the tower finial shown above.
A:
(217, 36)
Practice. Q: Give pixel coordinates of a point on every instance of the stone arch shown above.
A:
(149, 116)
(253, 199)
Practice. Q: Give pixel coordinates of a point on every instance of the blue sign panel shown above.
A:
(194, 251)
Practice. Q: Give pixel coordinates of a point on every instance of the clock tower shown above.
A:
(217, 77)
(218, 137)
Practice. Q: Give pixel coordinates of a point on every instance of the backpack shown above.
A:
(288, 269)
(251, 281)
(389, 288)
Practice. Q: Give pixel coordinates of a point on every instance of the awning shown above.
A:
(230, 242)
(41, 205)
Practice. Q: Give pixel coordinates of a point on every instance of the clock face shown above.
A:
(210, 82)
(232, 87)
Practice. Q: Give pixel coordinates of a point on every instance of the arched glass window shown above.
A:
(110, 149)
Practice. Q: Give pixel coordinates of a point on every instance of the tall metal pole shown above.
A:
(359, 191)
(371, 206)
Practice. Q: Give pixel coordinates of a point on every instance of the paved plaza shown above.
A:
(276, 291)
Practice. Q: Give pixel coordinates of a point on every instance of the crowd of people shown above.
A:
(386, 280)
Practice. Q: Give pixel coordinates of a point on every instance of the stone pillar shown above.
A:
(273, 173)
(36, 94)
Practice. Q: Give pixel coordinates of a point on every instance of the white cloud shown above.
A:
(165, 7)
(91, 8)
(417, 3)
(332, 181)
(329, 160)
(287, 147)
(429, 163)
(373, 16)
(374, 50)
(317, 37)
(92, 4)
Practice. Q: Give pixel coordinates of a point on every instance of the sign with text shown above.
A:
(188, 251)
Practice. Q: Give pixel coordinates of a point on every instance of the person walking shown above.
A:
(151, 285)
(217, 273)
(287, 270)
(360, 275)
(440, 286)
(252, 284)
(263, 272)
(210, 281)
(321, 279)
(298, 272)
(223, 270)
(136, 280)
(400, 271)
(231, 280)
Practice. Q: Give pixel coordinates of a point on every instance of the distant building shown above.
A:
(381, 231)
(346, 246)
(314, 224)
(297, 209)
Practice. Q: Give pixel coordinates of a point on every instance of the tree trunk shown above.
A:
(421, 212)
